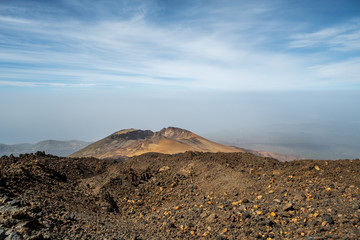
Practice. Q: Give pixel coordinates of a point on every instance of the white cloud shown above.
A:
(43, 84)
(15, 21)
(348, 71)
(117, 52)
(343, 37)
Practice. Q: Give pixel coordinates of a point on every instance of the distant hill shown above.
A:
(171, 140)
(59, 148)
(133, 142)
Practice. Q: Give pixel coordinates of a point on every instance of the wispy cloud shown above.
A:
(207, 50)
(343, 37)
(337, 72)
(43, 84)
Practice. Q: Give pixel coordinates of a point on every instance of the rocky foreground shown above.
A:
(182, 196)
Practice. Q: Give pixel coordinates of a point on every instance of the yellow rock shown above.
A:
(273, 214)
(225, 230)
(317, 168)
(259, 212)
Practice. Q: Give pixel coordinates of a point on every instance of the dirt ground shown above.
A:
(183, 196)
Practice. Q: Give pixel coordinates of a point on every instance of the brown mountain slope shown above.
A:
(133, 142)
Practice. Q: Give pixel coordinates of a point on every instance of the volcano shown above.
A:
(133, 142)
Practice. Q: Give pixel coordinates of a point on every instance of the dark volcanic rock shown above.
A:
(2, 234)
(183, 196)
(328, 218)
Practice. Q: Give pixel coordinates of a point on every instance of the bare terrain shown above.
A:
(191, 195)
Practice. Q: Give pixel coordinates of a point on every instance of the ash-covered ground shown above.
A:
(183, 196)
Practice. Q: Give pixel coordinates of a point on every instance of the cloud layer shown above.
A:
(230, 46)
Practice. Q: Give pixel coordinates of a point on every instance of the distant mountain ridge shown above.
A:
(59, 148)
(133, 142)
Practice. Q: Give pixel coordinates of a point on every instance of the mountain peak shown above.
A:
(132, 134)
(174, 132)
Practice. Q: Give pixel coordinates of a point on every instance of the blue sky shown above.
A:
(222, 45)
(76, 69)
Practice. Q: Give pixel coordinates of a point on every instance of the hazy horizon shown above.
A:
(271, 74)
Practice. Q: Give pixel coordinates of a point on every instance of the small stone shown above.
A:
(2, 233)
(355, 206)
(245, 215)
(220, 237)
(14, 203)
(299, 197)
(288, 207)
(317, 168)
(20, 215)
(328, 218)
(211, 218)
(164, 168)
(170, 225)
(38, 236)
(242, 208)
(13, 236)
(259, 213)
(4, 199)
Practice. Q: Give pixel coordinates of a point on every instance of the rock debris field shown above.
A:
(183, 196)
